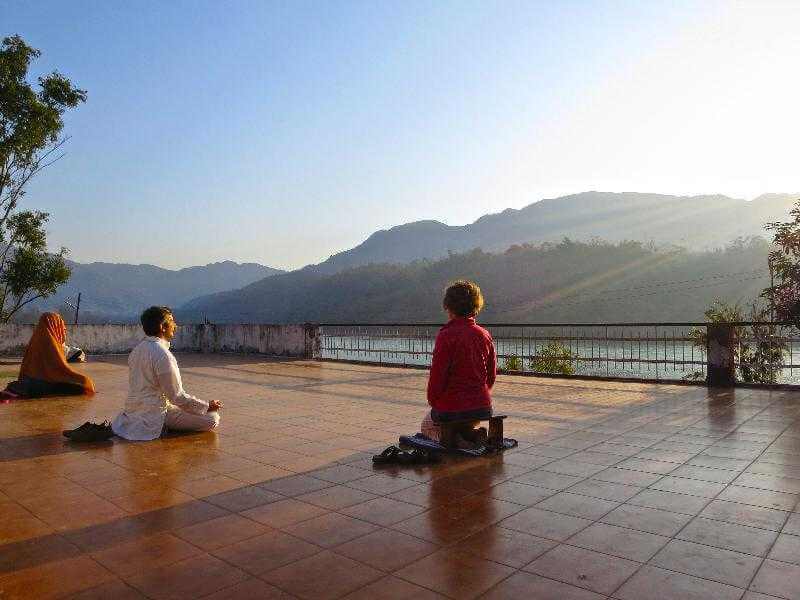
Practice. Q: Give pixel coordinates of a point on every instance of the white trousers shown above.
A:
(180, 420)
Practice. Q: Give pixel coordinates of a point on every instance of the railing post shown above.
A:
(720, 352)
(312, 340)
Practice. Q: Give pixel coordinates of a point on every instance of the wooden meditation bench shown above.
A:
(450, 428)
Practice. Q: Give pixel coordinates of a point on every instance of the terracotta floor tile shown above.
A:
(691, 487)
(223, 464)
(749, 540)
(283, 512)
(577, 505)
(570, 466)
(528, 585)
(19, 524)
(757, 596)
(81, 514)
(336, 497)
(323, 576)
(381, 484)
(259, 474)
(295, 485)
(680, 503)
(716, 564)
(786, 485)
(102, 474)
(673, 456)
(194, 577)
(48, 580)
(545, 524)
(648, 466)
(145, 553)
(759, 497)
(652, 583)
(754, 516)
(250, 590)
(210, 486)
(35, 551)
(386, 550)
(786, 549)
(223, 531)
(330, 529)
(605, 490)
(439, 527)
(704, 474)
(651, 520)
(104, 535)
(792, 524)
(619, 541)
(383, 511)
(420, 494)
(605, 459)
(627, 477)
(546, 479)
(520, 493)
(240, 499)
(142, 501)
(266, 552)
(505, 546)
(340, 474)
(458, 575)
(718, 462)
(116, 589)
(392, 588)
(584, 568)
(778, 579)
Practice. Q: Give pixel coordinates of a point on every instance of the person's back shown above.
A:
(468, 351)
(463, 367)
(44, 370)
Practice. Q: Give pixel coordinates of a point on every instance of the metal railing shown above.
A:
(652, 351)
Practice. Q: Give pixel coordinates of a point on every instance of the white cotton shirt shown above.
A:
(154, 384)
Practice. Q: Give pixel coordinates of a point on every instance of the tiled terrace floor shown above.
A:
(628, 491)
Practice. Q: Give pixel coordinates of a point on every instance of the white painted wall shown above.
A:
(280, 340)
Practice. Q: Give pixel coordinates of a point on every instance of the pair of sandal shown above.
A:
(395, 456)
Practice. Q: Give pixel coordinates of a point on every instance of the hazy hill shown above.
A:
(120, 291)
(551, 282)
(695, 222)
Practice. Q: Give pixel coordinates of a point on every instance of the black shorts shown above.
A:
(476, 414)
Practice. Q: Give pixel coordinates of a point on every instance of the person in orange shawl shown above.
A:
(44, 370)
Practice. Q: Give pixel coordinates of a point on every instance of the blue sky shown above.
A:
(282, 132)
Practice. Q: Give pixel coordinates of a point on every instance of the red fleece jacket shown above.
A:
(463, 369)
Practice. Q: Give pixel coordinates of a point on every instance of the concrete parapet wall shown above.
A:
(276, 340)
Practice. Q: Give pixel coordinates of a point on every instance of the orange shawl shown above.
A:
(44, 357)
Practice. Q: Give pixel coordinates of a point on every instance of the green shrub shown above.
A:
(512, 362)
(554, 358)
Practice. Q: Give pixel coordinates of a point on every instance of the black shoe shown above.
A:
(387, 457)
(90, 432)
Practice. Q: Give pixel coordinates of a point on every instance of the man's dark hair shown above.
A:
(153, 317)
(463, 298)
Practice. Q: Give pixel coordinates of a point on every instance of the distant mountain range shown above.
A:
(369, 283)
(248, 292)
(119, 292)
(694, 222)
(551, 282)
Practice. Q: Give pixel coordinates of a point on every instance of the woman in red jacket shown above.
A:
(463, 368)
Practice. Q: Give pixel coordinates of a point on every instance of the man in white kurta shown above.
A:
(156, 398)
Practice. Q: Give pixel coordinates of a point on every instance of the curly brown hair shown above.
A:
(463, 298)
